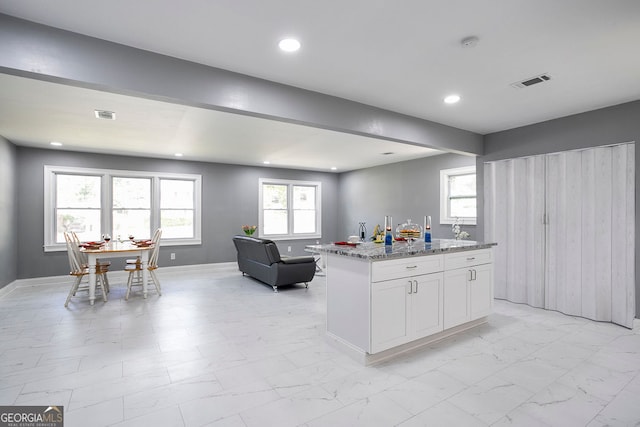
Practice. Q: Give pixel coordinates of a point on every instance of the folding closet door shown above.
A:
(591, 233)
(623, 214)
(565, 228)
(514, 213)
(564, 199)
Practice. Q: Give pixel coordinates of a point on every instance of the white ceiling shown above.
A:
(34, 113)
(402, 56)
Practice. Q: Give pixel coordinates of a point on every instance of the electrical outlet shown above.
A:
(288, 248)
(173, 256)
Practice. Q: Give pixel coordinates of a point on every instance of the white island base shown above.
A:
(379, 307)
(368, 359)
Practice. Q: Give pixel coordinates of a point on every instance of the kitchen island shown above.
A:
(383, 301)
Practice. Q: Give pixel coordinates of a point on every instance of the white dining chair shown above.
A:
(155, 237)
(102, 265)
(80, 270)
(135, 269)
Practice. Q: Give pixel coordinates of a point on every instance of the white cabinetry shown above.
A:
(405, 309)
(468, 287)
(377, 308)
(426, 314)
(456, 297)
(481, 291)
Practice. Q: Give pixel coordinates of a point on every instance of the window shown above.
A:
(177, 211)
(78, 206)
(131, 206)
(91, 202)
(458, 195)
(289, 209)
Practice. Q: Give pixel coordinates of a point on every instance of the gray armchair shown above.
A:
(260, 259)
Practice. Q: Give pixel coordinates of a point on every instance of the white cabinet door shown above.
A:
(390, 313)
(404, 310)
(455, 297)
(481, 291)
(426, 305)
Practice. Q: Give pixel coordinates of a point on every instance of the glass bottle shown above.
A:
(427, 229)
(388, 234)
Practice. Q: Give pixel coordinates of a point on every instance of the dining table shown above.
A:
(116, 250)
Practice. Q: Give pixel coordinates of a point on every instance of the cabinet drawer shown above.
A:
(406, 267)
(467, 258)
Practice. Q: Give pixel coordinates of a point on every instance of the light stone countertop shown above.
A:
(377, 251)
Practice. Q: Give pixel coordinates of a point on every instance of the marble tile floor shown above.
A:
(219, 349)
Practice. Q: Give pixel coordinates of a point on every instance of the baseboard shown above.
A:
(181, 269)
(367, 359)
(117, 275)
(8, 288)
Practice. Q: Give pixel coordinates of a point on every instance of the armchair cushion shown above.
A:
(260, 259)
(297, 259)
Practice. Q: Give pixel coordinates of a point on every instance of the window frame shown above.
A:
(445, 174)
(106, 201)
(290, 184)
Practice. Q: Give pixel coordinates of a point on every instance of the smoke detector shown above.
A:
(531, 81)
(105, 115)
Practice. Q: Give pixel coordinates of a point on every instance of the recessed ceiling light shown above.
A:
(388, 153)
(289, 45)
(267, 162)
(178, 154)
(56, 143)
(333, 168)
(452, 99)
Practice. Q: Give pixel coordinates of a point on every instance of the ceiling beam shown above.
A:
(46, 53)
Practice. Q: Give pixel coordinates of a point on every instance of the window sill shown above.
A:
(462, 222)
(305, 237)
(177, 242)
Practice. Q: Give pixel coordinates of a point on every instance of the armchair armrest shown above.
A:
(297, 259)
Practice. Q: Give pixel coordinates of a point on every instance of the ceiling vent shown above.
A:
(105, 115)
(532, 81)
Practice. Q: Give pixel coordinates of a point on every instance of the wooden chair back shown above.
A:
(153, 258)
(75, 256)
(83, 257)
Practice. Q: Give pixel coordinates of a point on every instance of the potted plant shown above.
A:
(249, 229)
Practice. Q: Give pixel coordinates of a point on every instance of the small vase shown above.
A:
(427, 229)
(388, 234)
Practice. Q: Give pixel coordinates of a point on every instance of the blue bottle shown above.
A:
(427, 229)
(388, 235)
(388, 238)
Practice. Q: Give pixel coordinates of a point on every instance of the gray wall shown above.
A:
(617, 124)
(46, 53)
(406, 190)
(230, 196)
(8, 213)
(229, 200)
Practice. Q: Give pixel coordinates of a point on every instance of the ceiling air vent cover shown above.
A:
(105, 115)
(532, 81)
